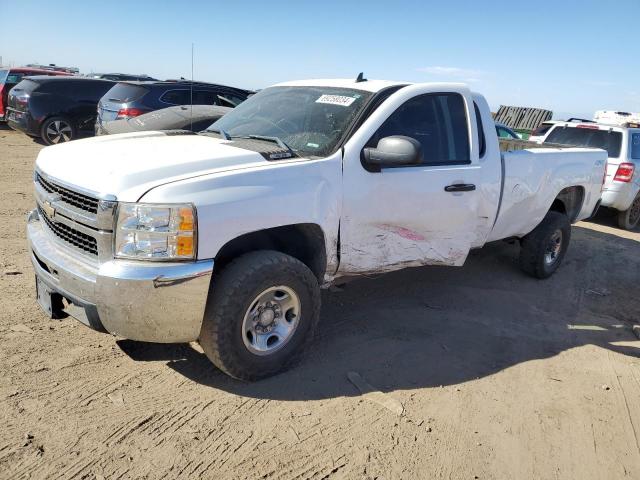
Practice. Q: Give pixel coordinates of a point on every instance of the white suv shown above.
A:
(538, 134)
(621, 190)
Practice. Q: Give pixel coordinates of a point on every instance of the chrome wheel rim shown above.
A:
(553, 249)
(271, 320)
(58, 131)
(634, 212)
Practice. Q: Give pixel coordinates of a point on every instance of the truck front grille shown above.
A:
(70, 235)
(78, 200)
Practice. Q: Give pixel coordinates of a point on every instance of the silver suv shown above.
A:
(621, 190)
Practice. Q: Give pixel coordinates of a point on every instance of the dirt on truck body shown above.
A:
(476, 372)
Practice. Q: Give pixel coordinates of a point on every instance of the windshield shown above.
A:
(310, 120)
(587, 137)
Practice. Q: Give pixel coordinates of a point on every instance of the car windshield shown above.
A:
(3, 75)
(310, 120)
(587, 137)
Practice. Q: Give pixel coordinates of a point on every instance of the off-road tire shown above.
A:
(533, 247)
(630, 218)
(71, 132)
(230, 295)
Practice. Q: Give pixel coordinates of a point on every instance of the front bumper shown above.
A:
(151, 302)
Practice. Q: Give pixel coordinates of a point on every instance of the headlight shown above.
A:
(156, 232)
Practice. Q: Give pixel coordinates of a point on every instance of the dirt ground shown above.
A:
(499, 376)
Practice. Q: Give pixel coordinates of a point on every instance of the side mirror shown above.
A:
(394, 151)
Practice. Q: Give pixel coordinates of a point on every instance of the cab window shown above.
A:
(438, 121)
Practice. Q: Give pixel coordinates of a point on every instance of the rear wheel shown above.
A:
(630, 218)
(543, 249)
(261, 314)
(56, 130)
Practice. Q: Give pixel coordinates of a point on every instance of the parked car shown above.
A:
(130, 99)
(505, 132)
(121, 77)
(10, 77)
(304, 184)
(622, 184)
(539, 133)
(183, 117)
(611, 117)
(56, 109)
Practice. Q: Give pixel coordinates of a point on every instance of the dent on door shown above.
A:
(384, 247)
(405, 216)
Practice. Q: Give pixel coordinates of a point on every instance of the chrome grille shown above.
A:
(78, 200)
(70, 235)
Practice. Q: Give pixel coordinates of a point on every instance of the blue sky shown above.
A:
(570, 56)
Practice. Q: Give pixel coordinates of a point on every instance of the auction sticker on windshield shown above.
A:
(336, 100)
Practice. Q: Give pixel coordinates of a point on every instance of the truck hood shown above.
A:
(131, 164)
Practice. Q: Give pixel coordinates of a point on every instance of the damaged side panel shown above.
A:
(379, 248)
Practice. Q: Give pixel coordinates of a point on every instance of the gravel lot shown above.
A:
(499, 376)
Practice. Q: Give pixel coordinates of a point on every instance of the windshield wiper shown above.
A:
(220, 132)
(266, 138)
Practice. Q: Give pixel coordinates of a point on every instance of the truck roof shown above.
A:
(366, 85)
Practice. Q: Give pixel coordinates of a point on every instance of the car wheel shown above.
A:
(261, 314)
(56, 130)
(542, 250)
(630, 218)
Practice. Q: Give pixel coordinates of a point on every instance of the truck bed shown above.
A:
(533, 178)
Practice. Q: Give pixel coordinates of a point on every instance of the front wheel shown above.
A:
(56, 130)
(261, 314)
(542, 250)
(630, 218)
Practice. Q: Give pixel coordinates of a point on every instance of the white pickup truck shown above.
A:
(227, 236)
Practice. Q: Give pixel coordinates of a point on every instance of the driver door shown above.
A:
(412, 215)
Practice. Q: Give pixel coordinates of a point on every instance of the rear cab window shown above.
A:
(481, 137)
(587, 136)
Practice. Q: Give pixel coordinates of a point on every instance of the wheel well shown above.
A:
(304, 241)
(569, 202)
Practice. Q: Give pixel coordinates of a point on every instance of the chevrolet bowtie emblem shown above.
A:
(48, 207)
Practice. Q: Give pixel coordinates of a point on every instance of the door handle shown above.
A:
(460, 187)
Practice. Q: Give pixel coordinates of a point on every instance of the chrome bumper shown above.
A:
(151, 302)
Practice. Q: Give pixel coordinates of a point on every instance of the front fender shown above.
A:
(234, 203)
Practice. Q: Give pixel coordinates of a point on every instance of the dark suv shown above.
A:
(123, 77)
(10, 77)
(55, 109)
(130, 99)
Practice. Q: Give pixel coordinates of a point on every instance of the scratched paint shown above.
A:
(403, 232)
(385, 248)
